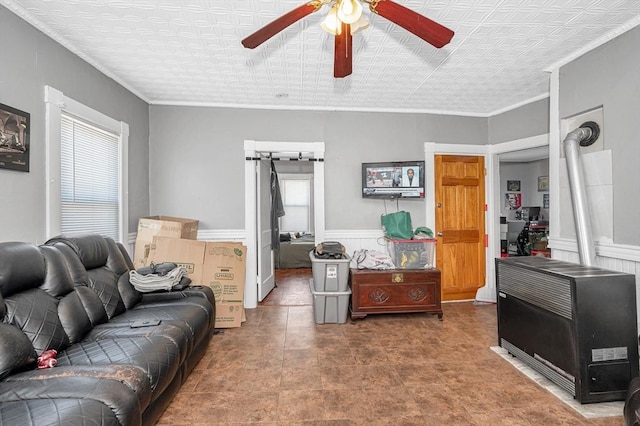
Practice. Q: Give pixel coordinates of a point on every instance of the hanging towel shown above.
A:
(277, 208)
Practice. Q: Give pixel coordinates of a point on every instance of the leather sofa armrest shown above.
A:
(193, 291)
(135, 380)
(112, 392)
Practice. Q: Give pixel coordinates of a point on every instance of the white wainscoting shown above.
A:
(354, 240)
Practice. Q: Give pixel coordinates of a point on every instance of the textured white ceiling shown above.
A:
(189, 51)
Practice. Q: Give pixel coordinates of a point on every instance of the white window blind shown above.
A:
(89, 179)
(296, 198)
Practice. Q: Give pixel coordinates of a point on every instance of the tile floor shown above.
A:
(280, 368)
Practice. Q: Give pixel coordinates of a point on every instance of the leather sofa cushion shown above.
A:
(16, 351)
(192, 315)
(91, 249)
(112, 389)
(179, 335)
(57, 412)
(35, 312)
(57, 281)
(105, 283)
(21, 267)
(87, 257)
(157, 356)
(73, 317)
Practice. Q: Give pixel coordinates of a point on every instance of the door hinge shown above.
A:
(486, 240)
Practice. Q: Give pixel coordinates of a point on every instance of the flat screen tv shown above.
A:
(393, 180)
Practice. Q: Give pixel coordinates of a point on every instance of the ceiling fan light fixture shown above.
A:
(360, 24)
(349, 11)
(331, 23)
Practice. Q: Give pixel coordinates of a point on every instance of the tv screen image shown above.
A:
(393, 179)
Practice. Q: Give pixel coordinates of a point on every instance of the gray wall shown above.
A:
(197, 157)
(527, 174)
(610, 76)
(519, 123)
(31, 60)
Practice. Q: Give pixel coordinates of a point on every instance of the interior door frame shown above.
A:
(487, 293)
(252, 149)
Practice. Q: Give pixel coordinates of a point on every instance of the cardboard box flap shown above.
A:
(167, 226)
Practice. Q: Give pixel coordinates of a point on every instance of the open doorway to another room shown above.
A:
(522, 151)
(297, 236)
(524, 207)
(261, 259)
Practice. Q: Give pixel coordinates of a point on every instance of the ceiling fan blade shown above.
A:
(342, 60)
(265, 33)
(428, 30)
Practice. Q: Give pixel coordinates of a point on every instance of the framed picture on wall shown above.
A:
(512, 200)
(14, 138)
(513, 185)
(545, 201)
(543, 183)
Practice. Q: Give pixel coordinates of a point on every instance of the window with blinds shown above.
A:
(296, 198)
(90, 179)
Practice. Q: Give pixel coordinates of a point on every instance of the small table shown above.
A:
(395, 291)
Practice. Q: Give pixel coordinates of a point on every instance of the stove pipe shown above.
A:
(584, 135)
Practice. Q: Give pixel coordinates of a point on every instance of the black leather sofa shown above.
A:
(122, 355)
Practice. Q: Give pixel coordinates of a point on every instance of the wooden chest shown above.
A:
(395, 291)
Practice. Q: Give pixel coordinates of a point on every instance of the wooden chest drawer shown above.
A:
(395, 291)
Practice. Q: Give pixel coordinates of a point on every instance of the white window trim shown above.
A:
(56, 104)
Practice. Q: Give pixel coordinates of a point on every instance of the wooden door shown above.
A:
(460, 218)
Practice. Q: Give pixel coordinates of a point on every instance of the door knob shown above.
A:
(439, 234)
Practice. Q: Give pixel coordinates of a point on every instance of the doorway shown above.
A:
(257, 273)
(460, 224)
(491, 154)
(524, 206)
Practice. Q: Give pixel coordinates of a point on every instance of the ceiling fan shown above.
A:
(345, 18)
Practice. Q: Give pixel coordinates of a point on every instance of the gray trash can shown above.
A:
(330, 306)
(330, 274)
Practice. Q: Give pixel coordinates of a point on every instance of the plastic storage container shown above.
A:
(330, 306)
(330, 274)
(412, 254)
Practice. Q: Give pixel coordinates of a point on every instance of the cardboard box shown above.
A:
(229, 314)
(225, 270)
(220, 265)
(161, 226)
(188, 254)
